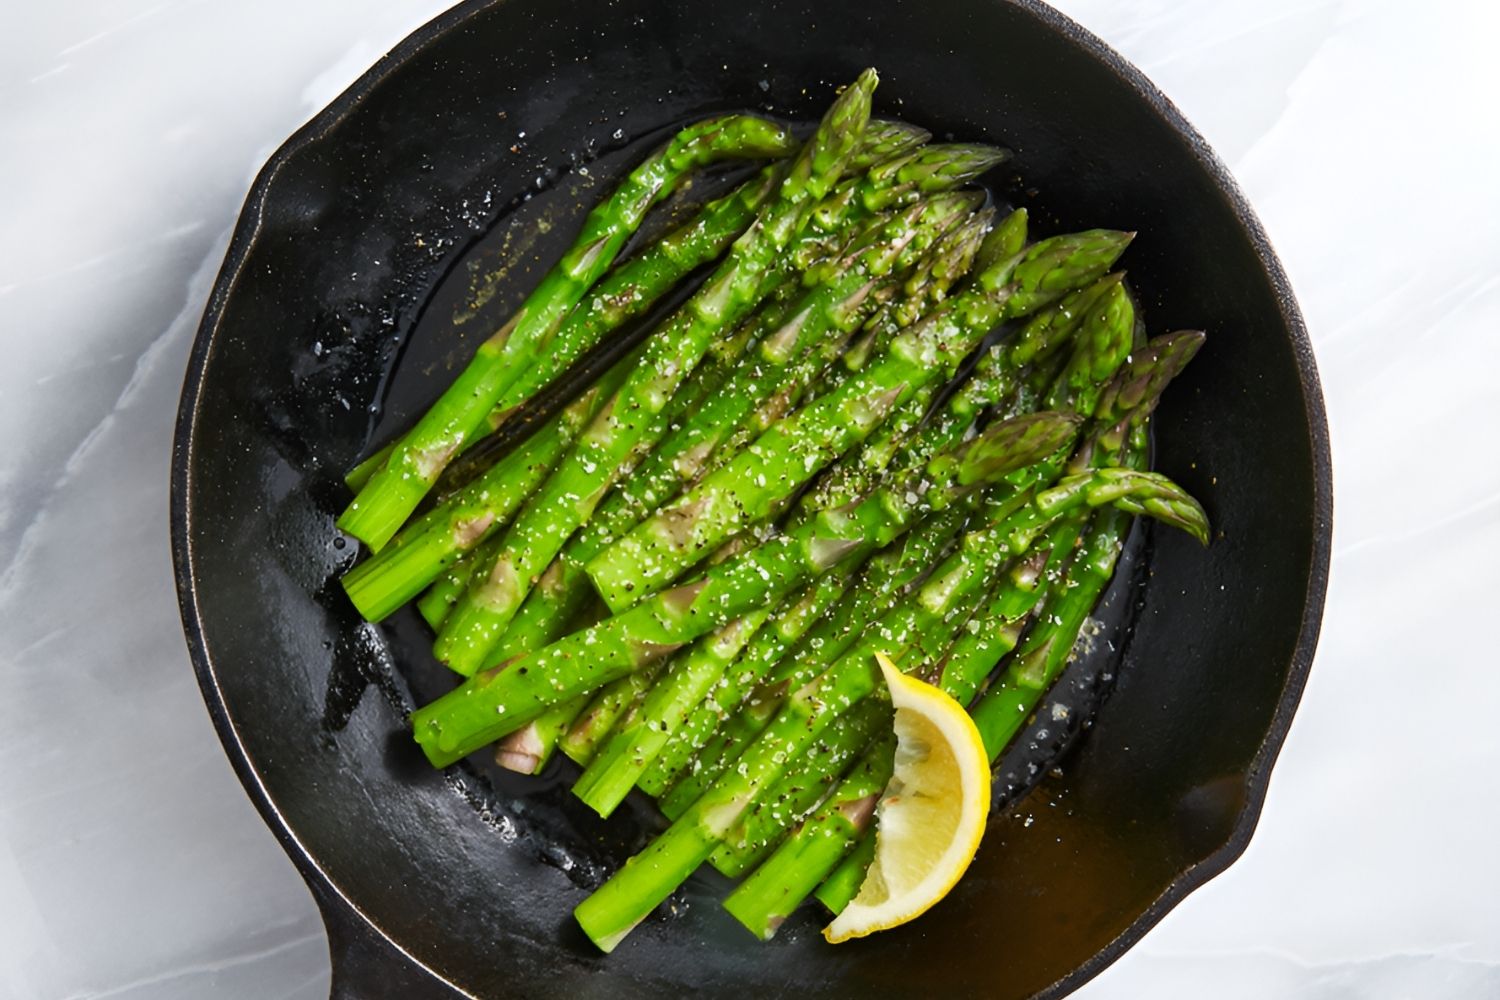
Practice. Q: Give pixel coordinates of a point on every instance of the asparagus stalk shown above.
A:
(500, 700)
(836, 838)
(555, 600)
(856, 470)
(395, 490)
(437, 601)
(608, 705)
(787, 455)
(619, 701)
(1128, 402)
(1002, 711)
(611, 774)
(612, 912)
(823, 646)
(998, 373)
(528, 749)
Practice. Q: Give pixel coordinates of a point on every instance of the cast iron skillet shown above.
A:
(465, 880)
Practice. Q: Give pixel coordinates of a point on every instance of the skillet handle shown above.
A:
(366, 966)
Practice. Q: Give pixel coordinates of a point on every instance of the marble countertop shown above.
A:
(131, 863)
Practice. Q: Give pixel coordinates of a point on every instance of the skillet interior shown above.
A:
(355, 223)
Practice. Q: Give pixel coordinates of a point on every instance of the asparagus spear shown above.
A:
(837, 837)
(437, 601)
(857, 469)
(394, 492)
(616, 699)
(618, 703)
(612, 912)
(501, 699)
(1000, 714)
(1010, 700)
(789, 453)
(997, 374)
(528, 749)
(610, 774)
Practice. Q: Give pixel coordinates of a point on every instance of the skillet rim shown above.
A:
(344, 920)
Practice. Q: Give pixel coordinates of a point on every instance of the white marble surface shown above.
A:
(131, 863)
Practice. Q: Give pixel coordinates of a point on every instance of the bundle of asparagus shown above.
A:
(682, 578)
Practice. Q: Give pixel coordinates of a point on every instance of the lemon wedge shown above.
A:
(931, 816)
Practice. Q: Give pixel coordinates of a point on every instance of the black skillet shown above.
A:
(356, 279)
